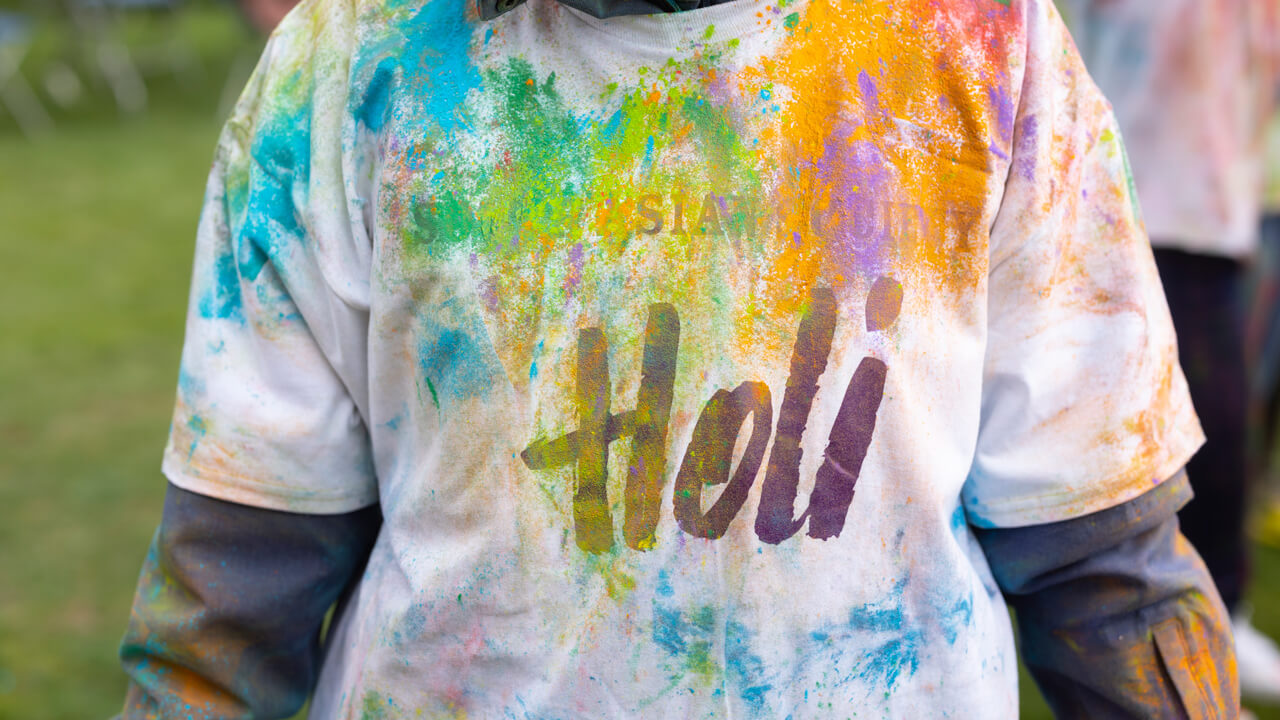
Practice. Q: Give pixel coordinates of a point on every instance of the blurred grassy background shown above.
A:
(97, 219)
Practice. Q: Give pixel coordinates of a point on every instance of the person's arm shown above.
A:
(227, 616)
(1117, 614)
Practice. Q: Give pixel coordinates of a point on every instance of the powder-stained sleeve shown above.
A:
(1117, 614)
(1084, 404)
(272, 395)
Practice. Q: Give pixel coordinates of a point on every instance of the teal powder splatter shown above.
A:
(436, 56)
(957, 617)
(886, 662)
(373, 110)
(199, 428)
(272, 222)
(458, 362)
(746, 670)
(221, 299)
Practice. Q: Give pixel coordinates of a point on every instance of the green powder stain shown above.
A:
(435, 398)
(375, 707)
(711, 30)
(548, 211)
(1134, 206)
(791, 20)
(559, 179)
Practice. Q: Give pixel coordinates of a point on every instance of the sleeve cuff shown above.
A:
(262, 494)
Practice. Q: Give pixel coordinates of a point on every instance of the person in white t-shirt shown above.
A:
(1192, 84)
(609, 358)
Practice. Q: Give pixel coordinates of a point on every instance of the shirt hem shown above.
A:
(1060, 506)
(256, 493)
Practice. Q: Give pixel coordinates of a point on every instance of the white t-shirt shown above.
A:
(1191, 82)
(679, 349)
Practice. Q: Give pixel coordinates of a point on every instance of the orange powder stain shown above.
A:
(866, 140)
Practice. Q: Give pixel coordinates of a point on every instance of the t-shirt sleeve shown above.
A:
(272, 395)
(1084, 405)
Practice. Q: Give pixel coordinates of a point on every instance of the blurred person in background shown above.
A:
(494, 309)
(1192, 84)
(1263, 350)
(265, 15)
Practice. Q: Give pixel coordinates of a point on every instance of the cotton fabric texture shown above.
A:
(680, 350)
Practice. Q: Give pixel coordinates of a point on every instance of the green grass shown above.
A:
(96, 228)
(97, 221)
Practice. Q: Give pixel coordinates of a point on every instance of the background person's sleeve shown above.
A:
(1084, 404)
(272, 396)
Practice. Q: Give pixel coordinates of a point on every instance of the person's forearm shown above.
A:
(226, 620)
(1117, 614)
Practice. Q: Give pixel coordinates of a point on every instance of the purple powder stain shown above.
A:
(718, 91)
(1027, 142)
(574, 278)
(870, 95)
(998, 152)
(489, 293)
(1003, 105)
(856, 177)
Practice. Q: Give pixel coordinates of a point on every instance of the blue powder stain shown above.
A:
(458, 362)
(664, 588)
(647, 162)
(221, 299)
(975, 507)
(282, 151)
(189, 386)
(886, 662)
(609, 130)
(668, 630)
(199, 428)
(533, 366)
(745, 669)
(958, 520)
(394, 423)
(959, 615)
(373, 110)
(436, 59)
